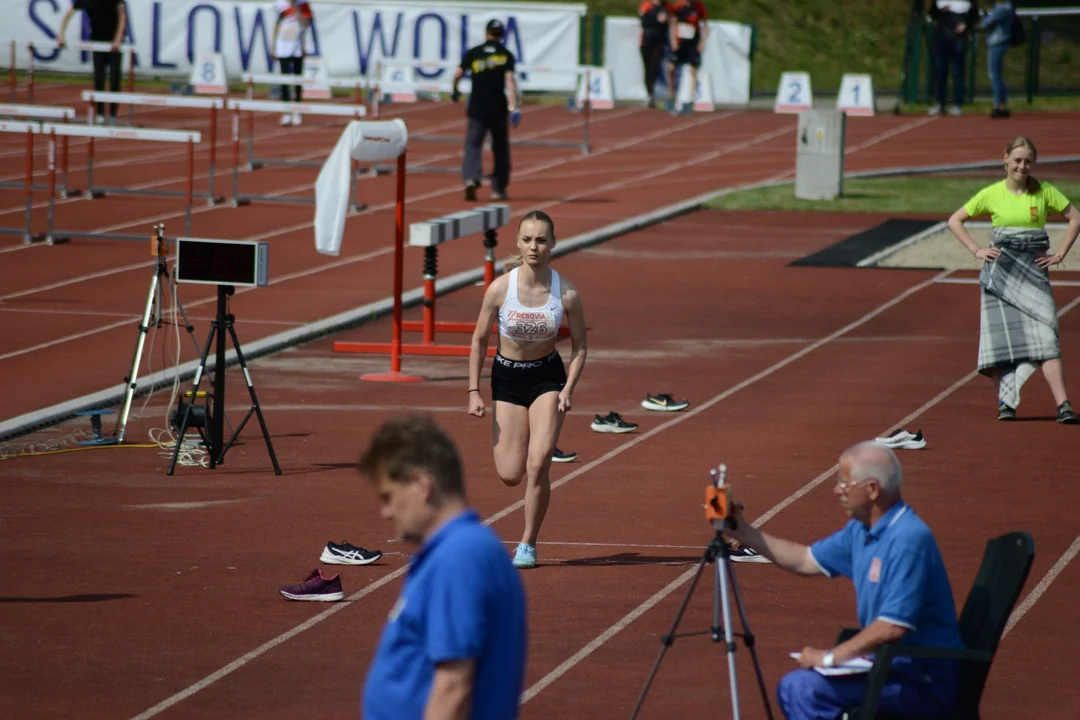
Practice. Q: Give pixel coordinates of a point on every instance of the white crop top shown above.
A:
(527, 324)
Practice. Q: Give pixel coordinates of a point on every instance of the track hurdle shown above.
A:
(93, 133)
(370, 142)
(43, 112)
(52, 46)
(238, 106)
(212, 105)
(29, 129)
(52, 131)
(429, 235)
(357, 84)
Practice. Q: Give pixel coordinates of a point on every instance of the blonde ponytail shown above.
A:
(1033, 185)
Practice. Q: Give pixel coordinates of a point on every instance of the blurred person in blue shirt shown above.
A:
(902, 594)
(455, 642)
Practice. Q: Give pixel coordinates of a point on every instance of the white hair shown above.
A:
(871, 460)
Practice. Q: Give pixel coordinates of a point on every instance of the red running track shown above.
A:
(138, 590)
(131, 591)
(70, 311)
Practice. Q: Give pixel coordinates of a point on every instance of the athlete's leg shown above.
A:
(500, 148)
(114, 62)
(1054, 372)
(472, 162)
(545, 422)
(510, 439)
(672, 69)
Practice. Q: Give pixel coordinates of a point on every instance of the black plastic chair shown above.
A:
(1004, 570)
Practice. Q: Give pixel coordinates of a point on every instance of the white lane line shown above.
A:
(1040, 589)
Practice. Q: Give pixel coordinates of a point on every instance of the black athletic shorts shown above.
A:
(520, 382)
(687, 54)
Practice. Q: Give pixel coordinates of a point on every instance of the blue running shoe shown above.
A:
(525, 556)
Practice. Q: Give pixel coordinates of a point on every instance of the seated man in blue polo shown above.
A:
(454, 644)
(902, 592)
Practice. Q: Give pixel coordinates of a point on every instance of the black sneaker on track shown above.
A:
(1066, 414)
(742, 554)
(663, 403)
(612, 423)
(470, 192)
(558, 455)
(346, 554)
(1005, 412)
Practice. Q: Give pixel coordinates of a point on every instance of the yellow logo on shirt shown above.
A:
(489, 63)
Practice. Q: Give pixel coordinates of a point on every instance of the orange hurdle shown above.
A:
(429, 235)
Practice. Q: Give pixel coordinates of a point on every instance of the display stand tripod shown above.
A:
(162, 281)
(223, 322)
(717, 554)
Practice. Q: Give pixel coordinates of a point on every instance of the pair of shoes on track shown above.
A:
(1065, 413)
(614, 423)
(470, 193)
(316, 587)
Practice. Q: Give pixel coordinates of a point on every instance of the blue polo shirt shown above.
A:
(462, 599)
(899, 577)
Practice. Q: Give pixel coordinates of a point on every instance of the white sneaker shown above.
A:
(935, 110)
(743, 554)
(99, 120)
(663, 402)
(297, 119)
(903, 440)
(286, 119)
(956, 111)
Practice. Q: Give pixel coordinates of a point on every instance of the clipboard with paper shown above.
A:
(855, 666)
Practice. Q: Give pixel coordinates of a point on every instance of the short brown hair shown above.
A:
(408, 443)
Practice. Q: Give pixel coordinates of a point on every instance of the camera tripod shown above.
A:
(717, 554)
(215, 422)
(152, 317)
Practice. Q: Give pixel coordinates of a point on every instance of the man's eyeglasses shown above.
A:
(845, 486)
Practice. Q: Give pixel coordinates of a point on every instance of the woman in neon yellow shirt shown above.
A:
(1019, 328)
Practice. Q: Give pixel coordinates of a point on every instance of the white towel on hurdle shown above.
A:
(373, 142)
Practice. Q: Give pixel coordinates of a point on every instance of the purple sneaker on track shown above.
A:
(316, 588)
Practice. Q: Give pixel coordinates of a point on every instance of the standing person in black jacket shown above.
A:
(953, 21)
(108, 22)
(653, 41)
(493, 107)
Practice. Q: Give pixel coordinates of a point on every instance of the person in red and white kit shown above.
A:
(689, 31)
(290, 36)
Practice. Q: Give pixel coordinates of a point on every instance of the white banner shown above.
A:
(726, 60)
(349, 35)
